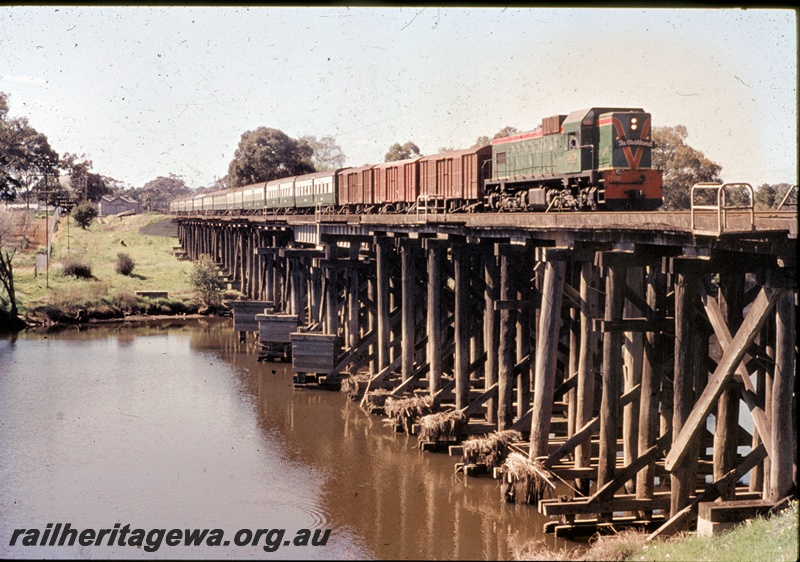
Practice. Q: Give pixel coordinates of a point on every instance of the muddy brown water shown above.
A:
(177, 426)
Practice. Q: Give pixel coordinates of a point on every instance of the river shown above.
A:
(177, 426)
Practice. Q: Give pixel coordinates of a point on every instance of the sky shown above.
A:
(148, 92)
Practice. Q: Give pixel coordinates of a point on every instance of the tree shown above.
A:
(325, 153)
(770, 196)
(220, 183)
(506, 131)
(156, 194)
(483, 140)
(8, 318)
(398, 152)
(25, 156)
(205, 279)
(267, 154)
(87, 185)
(682, 166)
(84, 214)
(116, 187)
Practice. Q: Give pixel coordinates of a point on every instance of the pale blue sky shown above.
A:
(151, 91)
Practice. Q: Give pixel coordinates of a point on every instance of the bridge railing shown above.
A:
(430, 206)
(717, 200)
(790, 199)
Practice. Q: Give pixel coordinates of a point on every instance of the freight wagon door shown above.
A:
(391, 184)
(442, 177)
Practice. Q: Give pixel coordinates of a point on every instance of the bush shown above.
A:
(84, 214)
(125, 264)
(77, 269)
(205, 279)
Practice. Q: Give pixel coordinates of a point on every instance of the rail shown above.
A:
(720, 207)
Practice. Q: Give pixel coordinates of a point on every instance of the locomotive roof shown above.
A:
(578, 116)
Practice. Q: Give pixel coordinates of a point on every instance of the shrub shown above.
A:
(125, 264)
(77, 269)
(205, 279)
(84, 214)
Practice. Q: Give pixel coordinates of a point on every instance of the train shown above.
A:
(590, 159)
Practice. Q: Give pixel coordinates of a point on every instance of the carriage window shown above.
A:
(501, 157)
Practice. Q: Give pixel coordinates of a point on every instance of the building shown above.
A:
(116, 205)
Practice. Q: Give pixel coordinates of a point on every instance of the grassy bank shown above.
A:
(774, 539)
(156, 269)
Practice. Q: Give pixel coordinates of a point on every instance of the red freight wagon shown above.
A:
(355, 187)
(458, 176)
(397, 183)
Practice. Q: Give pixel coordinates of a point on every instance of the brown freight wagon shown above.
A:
(356, 188)
(457, 176)
(396, 183)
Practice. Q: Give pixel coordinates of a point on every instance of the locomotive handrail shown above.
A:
(721, 206)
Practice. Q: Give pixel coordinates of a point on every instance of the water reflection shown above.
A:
(179, 426)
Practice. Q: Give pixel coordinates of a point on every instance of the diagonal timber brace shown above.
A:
(760, 419)
(733, 355)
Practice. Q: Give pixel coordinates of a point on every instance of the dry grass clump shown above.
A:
(125, 264)
(618, 547)
(538, 551)
(76, 268)
(74, 293)
(374, 400)
(354, 385)
(524, 480)
(443, 426)
(489, 450)
(405, 411)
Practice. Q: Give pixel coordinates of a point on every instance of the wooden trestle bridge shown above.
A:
(622, 346)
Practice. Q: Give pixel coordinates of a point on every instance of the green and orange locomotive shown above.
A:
(592, 158)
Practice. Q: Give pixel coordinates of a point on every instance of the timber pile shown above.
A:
(524, 480)
(404, 412)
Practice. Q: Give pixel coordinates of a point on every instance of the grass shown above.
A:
(156, 268)
(774, 539)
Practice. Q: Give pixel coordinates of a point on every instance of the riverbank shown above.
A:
(774, 538)
(50, 295)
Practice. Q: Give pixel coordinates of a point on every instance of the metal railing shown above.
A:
(720, 207)
(430, 205)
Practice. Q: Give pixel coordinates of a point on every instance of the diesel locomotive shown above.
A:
(596, 158)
